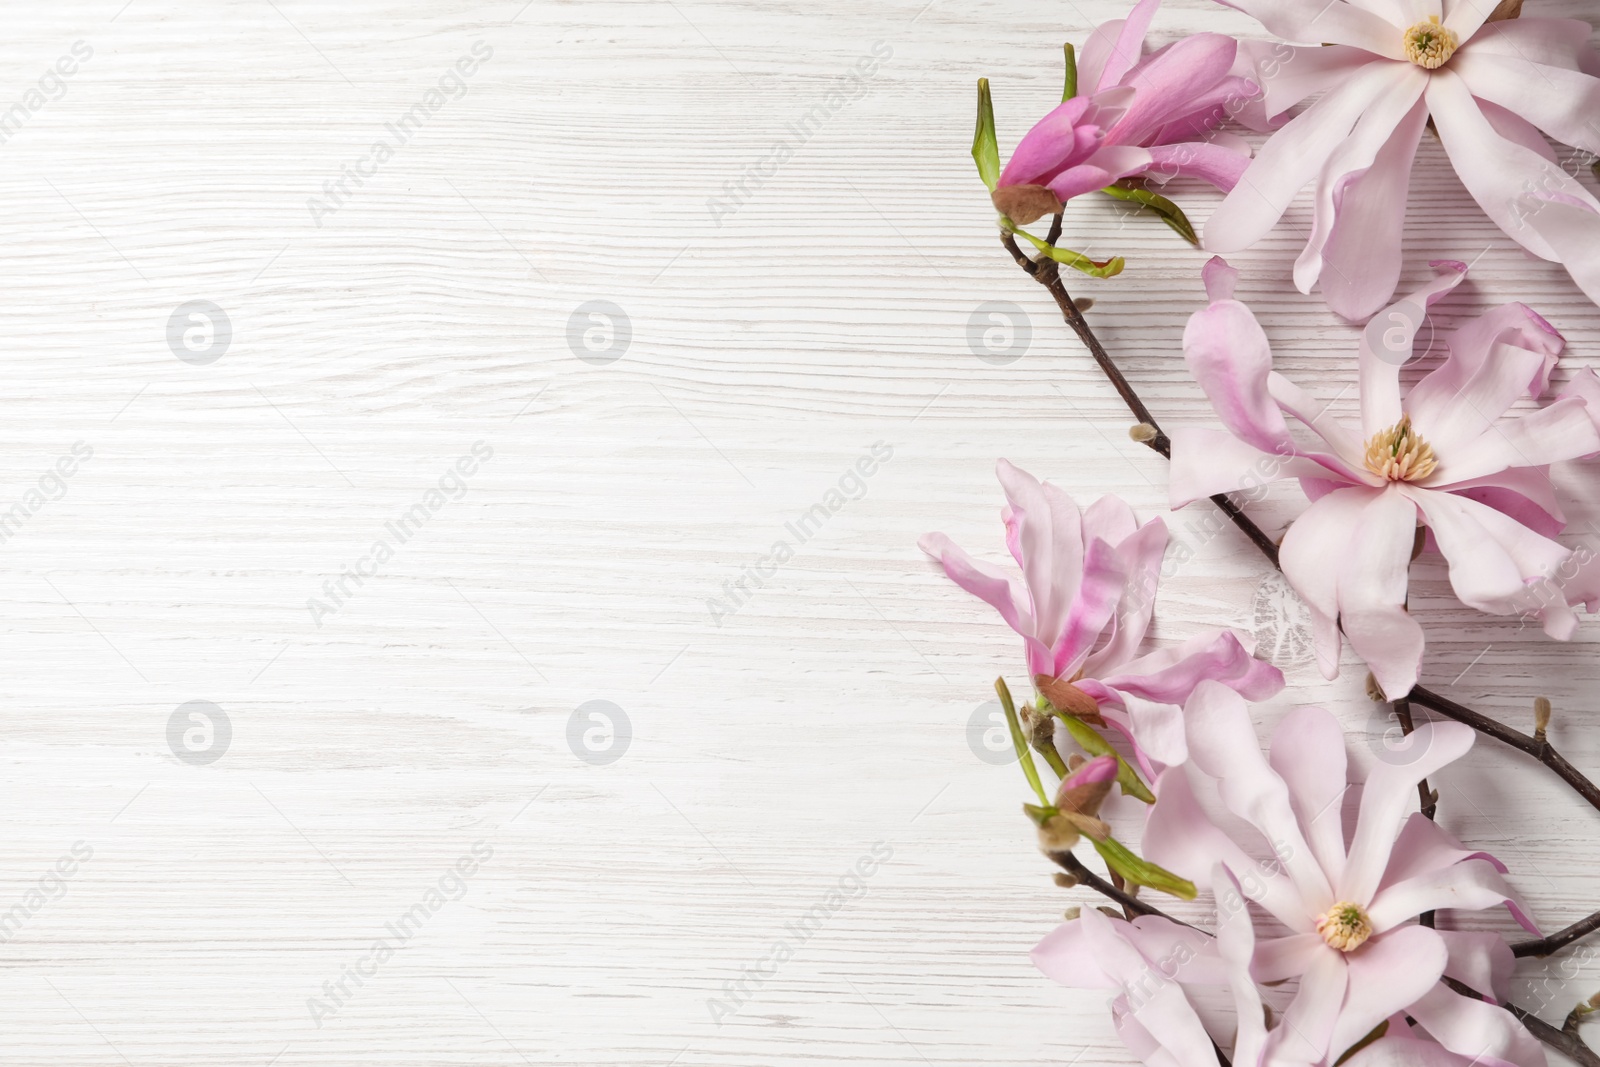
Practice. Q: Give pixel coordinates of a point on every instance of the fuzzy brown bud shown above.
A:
(1541, 717)
(1069, 699)
(1023, 204)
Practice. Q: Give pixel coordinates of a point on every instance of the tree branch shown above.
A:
(1544, 946)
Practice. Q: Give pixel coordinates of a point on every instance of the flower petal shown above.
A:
(1219, 166)
(1372, 594)
(1222, 743)
(1470, 886)
(1128, 46)
(1170, 675)
(1106, 165)
(989, 584)
(1560, 102)
(1361, 259)
(1099, 592)
(1387, 976)
(1562, 431)
(1433, 402)
(1141, 554)
(1059, 138)
(1377, 126)
(1308, 1024)
(1381, 361)
(1050, 541)
(1308, 754)
(1229, 355)
(1280, 958)
(1179, 836)
(1491, 556)
(1292, 157)
(1323, 533)
(1167, 85)
(1333, 22)
(1480, 960)
(1572, 232)
(1475, 1029)
(1389, 789)
(1553, 42)
(1288, 74)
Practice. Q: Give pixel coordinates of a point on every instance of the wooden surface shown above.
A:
(772, 346)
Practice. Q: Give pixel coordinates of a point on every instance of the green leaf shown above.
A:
(1377, 1032)
(1039, 815)
(1067, 257)
(1071, 89)
(1092, 743)
(1020, 743)
(1169, 212)
(985, 152)
(1140, 871)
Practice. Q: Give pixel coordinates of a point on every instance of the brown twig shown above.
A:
(1085, 877)
(1559, 940)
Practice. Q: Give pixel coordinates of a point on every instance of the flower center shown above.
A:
(1345, 926)
(1430, 45)
(1399, 455)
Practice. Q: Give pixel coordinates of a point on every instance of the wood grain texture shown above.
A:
(771, 348)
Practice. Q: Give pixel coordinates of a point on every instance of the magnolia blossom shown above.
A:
(1389, 67)
(1347, 901)
(1441, 456)
(1083, 605)
(1136, 114)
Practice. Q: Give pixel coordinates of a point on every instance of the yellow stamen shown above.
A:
(1429, 44)
(1345, 926)
(1399, 455)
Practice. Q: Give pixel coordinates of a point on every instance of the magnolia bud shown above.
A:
(1541, 717)
(1072, 913)
(1065, 880)
(1142, 432)
(1023, 204)
(1069, 699)
(1374, 690)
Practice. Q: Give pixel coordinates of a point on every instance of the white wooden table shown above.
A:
(376, 336)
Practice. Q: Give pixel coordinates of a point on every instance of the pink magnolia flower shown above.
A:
(1083, 606)
(1440, 456)
(1347, 901)
(1391, 66)
(1137, 114)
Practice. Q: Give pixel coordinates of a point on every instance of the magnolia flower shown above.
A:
(1437, 457)
(1347, 901)
(1391, 66)
(1139, 114)
(1083, 606)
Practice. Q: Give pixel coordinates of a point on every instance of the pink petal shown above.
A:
(1553, 42)
(1348, 447)
(1128, 47)
(1361, 259)
(1372, 593)
(1385, 347)
(1293, 156)
(1572, 233)
(1481, 961)
(1524, 494)
(1560, 102)
(1471, 886)
(1236, 942)
(1308, 1024)
(1491, 556)
(1154, 728)
(1170, 675)
(1389, 790)
(1466, 16)
(1423, 847)
(1222, 743)
(1585, 385)
(1167, 86)
(1179, 836)
(1066, 956)
(995, 588)
(1387, 976)
(1141, 554)
(1478, 401)
(1108, 164)
(1280, 958)
(1500, 173)
(1308, 754)
(1099, 592)
(1377, 126)
(1288, 75)
(1432, 401)
(1054, 141)
(1318, 22)
(1229, 355)
(1050, 539)
(1413, 1052)
(1475, 1029)
(1562, 431)
(1210, 163)
(1110, 519)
